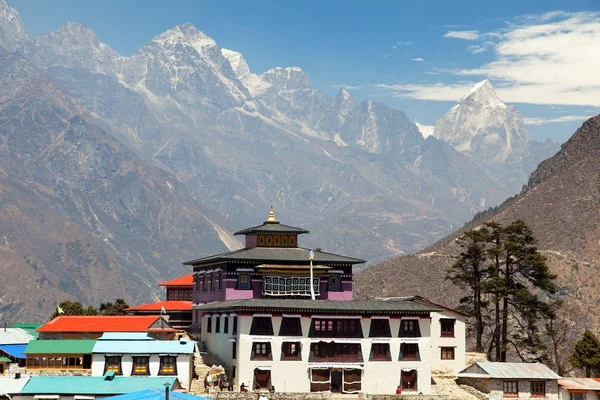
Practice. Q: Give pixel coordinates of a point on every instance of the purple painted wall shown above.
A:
(230, 292)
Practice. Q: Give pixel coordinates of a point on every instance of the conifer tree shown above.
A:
(586, 353)
(469, 271)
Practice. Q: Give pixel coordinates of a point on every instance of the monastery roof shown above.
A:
(102, 323)
(94, 385)
(15, 336)
(291, 267)
(187, 280)
(14, 350)
(270, 227)
(81, 346)
(504, 370)
(277, 255)
(350, 306)
(10, 385)
(579, 384)
(169, 305)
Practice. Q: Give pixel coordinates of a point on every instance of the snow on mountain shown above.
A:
(482, 127)
(74, 45)
(237, 61)
(379, 129)
(426, 130)
(12, 32)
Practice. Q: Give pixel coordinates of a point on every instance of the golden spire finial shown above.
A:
(271, 219)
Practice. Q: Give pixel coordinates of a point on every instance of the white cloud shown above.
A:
(550, 58)
(553, 120)
(418, 59)
(465, 35)
(406, 43)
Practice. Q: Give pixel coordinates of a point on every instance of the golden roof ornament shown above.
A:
(271, 219)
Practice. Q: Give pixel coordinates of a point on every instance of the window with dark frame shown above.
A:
(510, 388)
(290, 326)
(217, 324)
(234, 350)
(335, 283)
(578, 396)
(409, 351)
(215, 276)
(380, 352)
(208, 325)
(343, 328)
(168, 365)
(538, 388)
(291, 351)
(141, 365)
(233, 372)
(380, 328)
(447, 327)
(331, 351)
(113, 363)
(261, 326)
(447, 353)
(244, 282)
(261, 351)
(226, 324)
(409, 328)
(234, 327)
(220, 282)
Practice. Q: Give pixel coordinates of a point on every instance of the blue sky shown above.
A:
(418, 56)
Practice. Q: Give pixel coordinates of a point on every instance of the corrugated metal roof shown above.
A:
(501, 370)
(100, 323)
(321, 305)
(15, 336)
(93, 385)
(10, 385)
(5, 360)
(144, 346)
(168, 305)
(14, 350)
(156, 394)
(187, 280)
(71, 346)
(579, 384)
(30, 328)
(125, 336)
(270, 254)
(272, 227)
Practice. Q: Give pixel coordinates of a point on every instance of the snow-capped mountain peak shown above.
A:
(12, 32)
(185, 33)
(481, 126)
(483, 93)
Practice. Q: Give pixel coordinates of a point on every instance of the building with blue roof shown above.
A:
(138, 354)
(55, 387)
(156, 394)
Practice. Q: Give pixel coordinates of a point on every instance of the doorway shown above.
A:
(336, 380)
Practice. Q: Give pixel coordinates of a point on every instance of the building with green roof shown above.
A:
(60, 355)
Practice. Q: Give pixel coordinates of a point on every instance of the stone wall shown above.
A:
(275, 396)
(362, 396)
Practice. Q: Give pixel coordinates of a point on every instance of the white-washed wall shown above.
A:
(458, 342)
(184, 366)
(294, 376)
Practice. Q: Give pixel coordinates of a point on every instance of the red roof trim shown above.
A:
(187, 280)
(169, 305)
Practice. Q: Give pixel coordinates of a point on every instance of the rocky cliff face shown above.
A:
(560, 203)
(82, 216)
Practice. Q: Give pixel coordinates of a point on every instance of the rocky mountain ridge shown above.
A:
(559, 203)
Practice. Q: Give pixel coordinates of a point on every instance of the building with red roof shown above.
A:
(178, 303)
(93, 326)
(179, 312)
